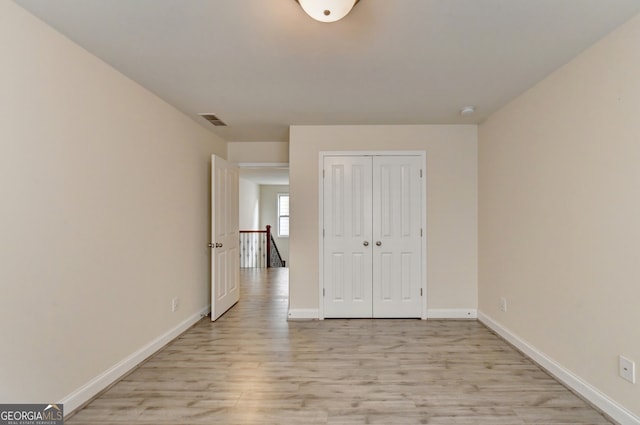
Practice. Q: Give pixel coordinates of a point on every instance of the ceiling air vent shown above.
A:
(213, 119)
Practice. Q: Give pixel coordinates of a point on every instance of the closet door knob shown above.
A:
(365, 243)
(378, 243)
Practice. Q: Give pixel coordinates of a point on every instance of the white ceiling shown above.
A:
(262, 65)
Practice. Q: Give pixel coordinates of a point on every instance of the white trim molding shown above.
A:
(589, 392)
(452, 313)
(303, 314)
(85, 393)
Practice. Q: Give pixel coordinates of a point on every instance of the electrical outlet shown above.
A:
(174, 304)
(503, 304)
(627, 369)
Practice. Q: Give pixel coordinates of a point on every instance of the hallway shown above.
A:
(254, 367)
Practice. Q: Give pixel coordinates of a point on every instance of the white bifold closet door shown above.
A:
(372, 254)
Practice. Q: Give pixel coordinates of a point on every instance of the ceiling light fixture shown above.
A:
(327, 10)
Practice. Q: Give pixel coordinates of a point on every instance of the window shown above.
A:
(283, 215)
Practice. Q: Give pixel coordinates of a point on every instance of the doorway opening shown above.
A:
(264, 215)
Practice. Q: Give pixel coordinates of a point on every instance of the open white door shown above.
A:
(225, 286)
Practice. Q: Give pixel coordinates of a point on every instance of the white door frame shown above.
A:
(321, 156)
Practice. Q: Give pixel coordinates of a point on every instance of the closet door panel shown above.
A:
(347, 211)
(397, 236)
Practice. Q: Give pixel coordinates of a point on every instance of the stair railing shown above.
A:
(258, 249)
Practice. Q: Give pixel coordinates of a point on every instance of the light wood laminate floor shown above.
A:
(254, 367)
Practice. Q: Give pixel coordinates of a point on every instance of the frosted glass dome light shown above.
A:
(327, 10)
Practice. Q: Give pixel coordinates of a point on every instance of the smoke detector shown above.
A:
(467, 111)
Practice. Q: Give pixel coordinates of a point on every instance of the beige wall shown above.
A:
(559, 214)
(259, 152)
(269, 215)
(451, 204)
(249, 200)
(104, 213)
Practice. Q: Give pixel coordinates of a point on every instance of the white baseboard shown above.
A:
(303, 314)
(314, 313)
(452, 313)
(89, 390)
(590, 393)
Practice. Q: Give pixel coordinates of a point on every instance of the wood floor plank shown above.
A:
(253, 367)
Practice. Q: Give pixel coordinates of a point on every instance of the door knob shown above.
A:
(218, 245)
(378, 243)
(211, 245)
(365, 243)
